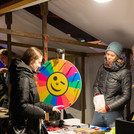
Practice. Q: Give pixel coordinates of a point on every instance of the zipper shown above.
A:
(105, 81)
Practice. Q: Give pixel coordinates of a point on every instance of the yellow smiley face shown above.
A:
(57, 84)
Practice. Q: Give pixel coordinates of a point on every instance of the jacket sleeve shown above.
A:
(27, 109)
(126, 85)
(96, 83)
(45, 107)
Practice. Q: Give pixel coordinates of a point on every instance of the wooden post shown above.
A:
(128, 110)
(44, 13)
(8, 20)
(83, 87)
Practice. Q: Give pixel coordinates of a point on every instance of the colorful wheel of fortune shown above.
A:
(59, 83)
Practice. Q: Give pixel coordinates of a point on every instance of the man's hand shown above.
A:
(3, 70)
(102, 110)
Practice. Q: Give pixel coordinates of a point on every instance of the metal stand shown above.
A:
(61, 51)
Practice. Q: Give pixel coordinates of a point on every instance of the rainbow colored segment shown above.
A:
(73, 78)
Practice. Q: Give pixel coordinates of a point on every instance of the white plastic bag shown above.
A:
(99, 101)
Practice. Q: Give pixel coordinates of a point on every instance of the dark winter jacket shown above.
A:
(25, 103)
(115, 85)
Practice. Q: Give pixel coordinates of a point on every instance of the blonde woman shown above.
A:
(25, 106)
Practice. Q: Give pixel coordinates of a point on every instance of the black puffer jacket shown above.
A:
(116, 87)
(25, 102)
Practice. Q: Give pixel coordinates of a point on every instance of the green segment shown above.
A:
(49, 67)
(48, 99)
(75, 84)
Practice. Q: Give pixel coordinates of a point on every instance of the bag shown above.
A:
(99, 101)
(19, 130)
(13, 129)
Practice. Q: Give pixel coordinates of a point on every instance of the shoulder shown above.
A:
(125, 71)
(125, 74)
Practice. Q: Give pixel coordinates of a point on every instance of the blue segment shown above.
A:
(74, 77)
(44, 71)
(54, 101)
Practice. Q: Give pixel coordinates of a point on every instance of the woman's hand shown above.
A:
(56, 108)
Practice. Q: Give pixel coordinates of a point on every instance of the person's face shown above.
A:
(111, 56)
(36, 64)
(4, 59)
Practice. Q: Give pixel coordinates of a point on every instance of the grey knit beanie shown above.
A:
(116, 47)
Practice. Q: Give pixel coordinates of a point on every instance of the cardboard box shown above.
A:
(81, 130)
(93, 131)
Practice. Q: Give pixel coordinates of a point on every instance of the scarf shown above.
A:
(114, 66)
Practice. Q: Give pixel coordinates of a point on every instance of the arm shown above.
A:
(96, 90)
(27, 108)
(45, 107)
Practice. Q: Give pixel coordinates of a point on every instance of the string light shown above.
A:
(102, 1)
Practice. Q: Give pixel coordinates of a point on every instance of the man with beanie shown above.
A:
(112, 87)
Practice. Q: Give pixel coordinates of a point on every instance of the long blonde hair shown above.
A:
(30, 54)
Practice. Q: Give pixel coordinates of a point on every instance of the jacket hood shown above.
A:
(17, 68)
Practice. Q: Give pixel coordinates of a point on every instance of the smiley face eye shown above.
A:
(55, 78)
(62, 82)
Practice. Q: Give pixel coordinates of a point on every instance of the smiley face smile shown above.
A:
(54, 88)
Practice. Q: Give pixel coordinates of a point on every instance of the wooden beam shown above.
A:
(55, 39)
(83, 101)
(13, 5)
(50, 38)
(44, 13)
(8, 20)
(128, 110)
(8, 3)
(94, 54)
(40, 47)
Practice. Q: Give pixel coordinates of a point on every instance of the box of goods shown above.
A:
(93, 131)
(81, 130)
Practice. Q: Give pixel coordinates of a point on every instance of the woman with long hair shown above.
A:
(25, 106)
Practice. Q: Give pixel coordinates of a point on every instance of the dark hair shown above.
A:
(30, 54)
(4, 52)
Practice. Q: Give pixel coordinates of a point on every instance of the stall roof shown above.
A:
(26, 22)
(111, 21)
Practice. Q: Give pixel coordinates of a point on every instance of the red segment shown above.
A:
(65, 101)
(42, 77)
(67, 67)
(59, 101)
(71, 72)
(41, 83)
